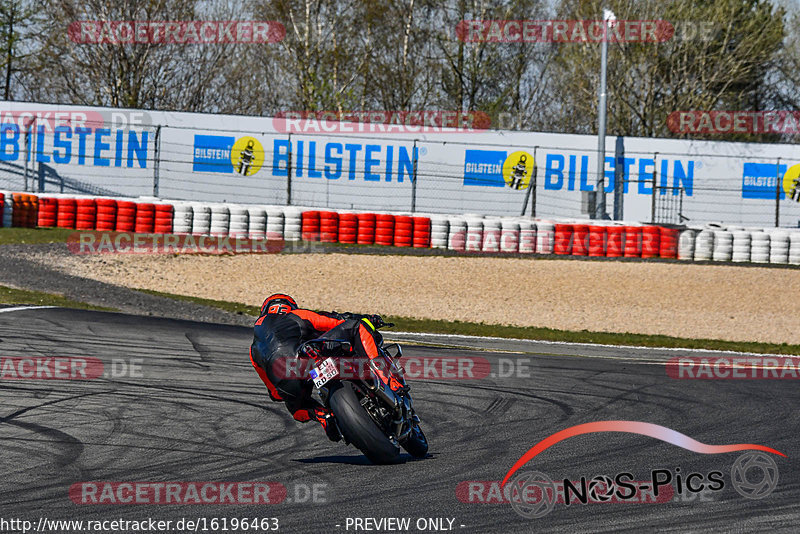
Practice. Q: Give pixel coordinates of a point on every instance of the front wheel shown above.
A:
(416, 444)
(358, 428)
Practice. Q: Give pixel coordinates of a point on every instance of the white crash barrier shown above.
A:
(794, 248)
(292, 223)
(759, 246)
(201, 219)
(741, 246)
(276, 221)
(239, 221)
(686, 244)
(457, 238)
(545, 237)
(509, 235)
(220, 220)
(723, 245)
(704, 245)
(490, 238)
(182, 217)
(256, 222)
(440, 229)
(528, 232)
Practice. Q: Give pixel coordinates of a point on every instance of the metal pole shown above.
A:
(600, 204)
(289, 175)
(27, 151)
(156, 160)
(653, 199)
(531, 193)
(778, 186)
(414, 180)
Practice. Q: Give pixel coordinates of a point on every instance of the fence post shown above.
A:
(653, 200)
(778, 187)
(156, 160)
(531, 194)
(414, 179)
(289, 175)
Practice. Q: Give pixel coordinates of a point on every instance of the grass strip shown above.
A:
(434, 326)
(10, 295)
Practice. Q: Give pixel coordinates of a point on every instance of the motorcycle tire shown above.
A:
(358, 428)
(416, 444)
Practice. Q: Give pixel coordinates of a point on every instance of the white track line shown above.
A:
(20, 308)
(574, 344)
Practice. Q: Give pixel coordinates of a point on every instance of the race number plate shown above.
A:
(324, 372)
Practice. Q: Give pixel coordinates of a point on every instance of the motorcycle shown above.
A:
(368, 412)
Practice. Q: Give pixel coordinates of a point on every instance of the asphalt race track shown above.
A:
(193, 409)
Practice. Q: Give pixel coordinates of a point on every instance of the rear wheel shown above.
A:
(358, 428)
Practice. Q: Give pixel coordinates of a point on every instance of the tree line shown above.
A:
(407, 55)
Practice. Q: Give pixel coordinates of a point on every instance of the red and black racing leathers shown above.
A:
(274, 351)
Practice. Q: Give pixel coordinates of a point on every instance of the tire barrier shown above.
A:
(348, 228)
(403, 231)
(686, 244)
(422, 232)
(384, 229)
(529, 234)
(310, 227)
(490, 237)
(457, 238)
(182, 215)
(86, 214)
(220, 220)
(366, 229)
(794, 248)
(162, 223)
(8, 210)
(651, 241)
(668, 245)
(48, 211)
(440, 228)
(145, 218)
(741, 246)
(759, 247)
(24, 210)
(633, 242)
(779, 247)
(580, 240)
(276, 224)
(704, 245)
(723, 245)
(509, 235)
(463, 233)
(106, 219)
(328, 226)
(474, 237)
(597, 240)
(239, 222)
(545, 237)
(256, 222)
(126, 216)
(292, 224)
(67, 208)
(563, 239)
(615, 241)
(201, 219)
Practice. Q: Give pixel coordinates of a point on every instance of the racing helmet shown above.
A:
(278, 303)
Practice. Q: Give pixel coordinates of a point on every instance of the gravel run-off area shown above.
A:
(727, 302)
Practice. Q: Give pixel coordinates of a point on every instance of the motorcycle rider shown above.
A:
(279, 332)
